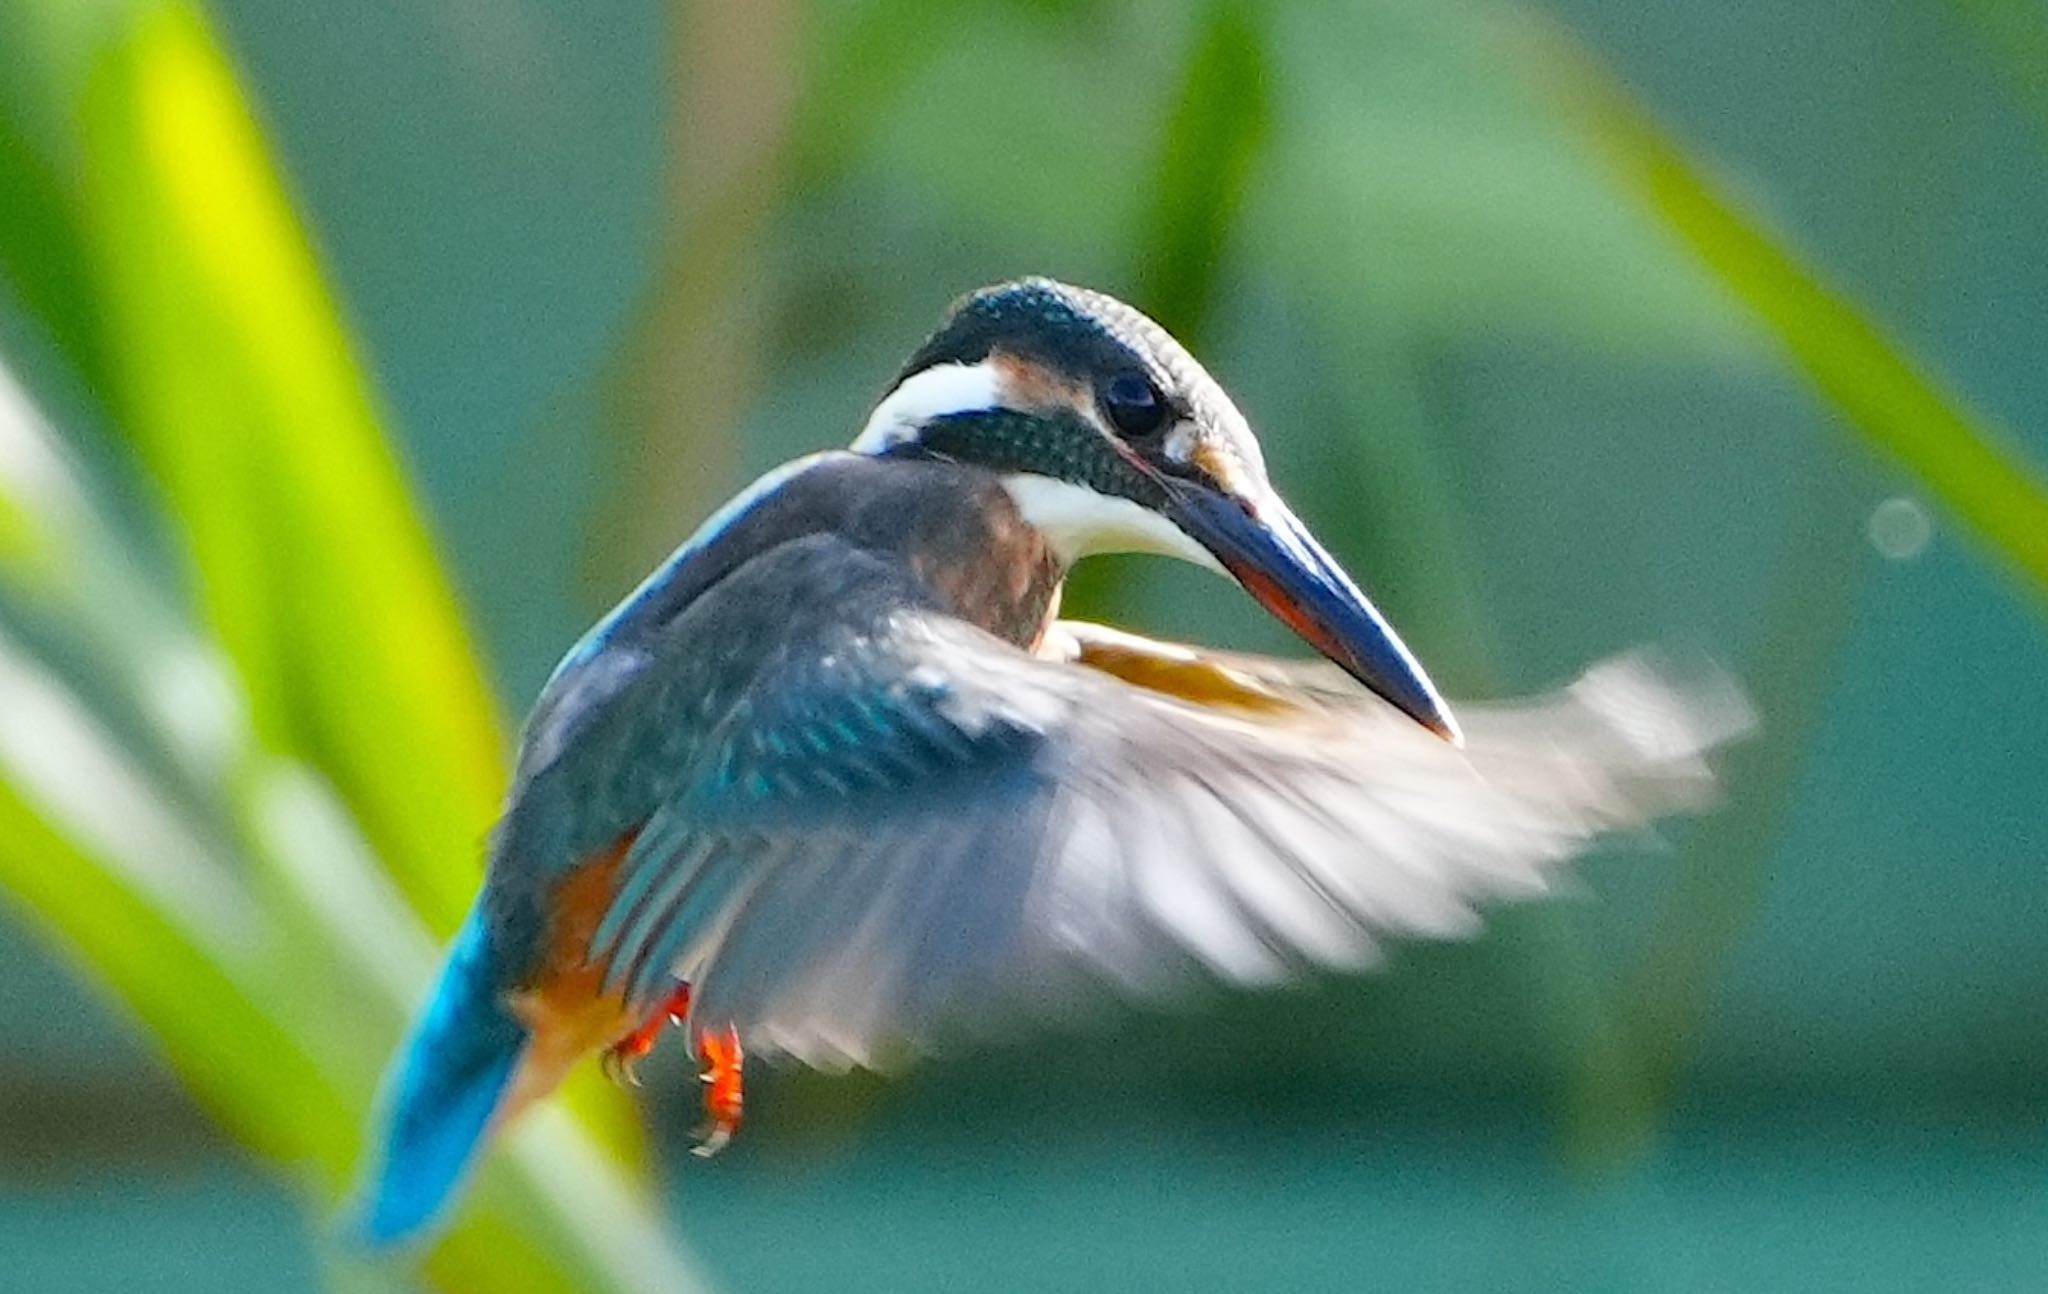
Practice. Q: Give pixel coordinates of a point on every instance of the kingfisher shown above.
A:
(837, 781)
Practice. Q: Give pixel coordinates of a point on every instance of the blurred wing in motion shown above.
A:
(921, 825)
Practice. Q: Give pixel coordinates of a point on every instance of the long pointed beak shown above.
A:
(1267, 550)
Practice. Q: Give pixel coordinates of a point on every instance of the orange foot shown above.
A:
(622, 1059)
(719, 1050)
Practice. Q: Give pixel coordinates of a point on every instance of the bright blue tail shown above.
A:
(440, 1095)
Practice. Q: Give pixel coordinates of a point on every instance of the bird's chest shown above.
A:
(994, 570)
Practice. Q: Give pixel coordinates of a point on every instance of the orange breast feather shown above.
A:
(565, 1009)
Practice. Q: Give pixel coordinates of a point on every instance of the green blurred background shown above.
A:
(353, 356)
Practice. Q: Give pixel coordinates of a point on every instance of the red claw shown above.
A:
(718, 1052)
(622, 1059)
(723, 1061)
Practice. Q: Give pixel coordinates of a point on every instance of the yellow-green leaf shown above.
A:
(237, 381)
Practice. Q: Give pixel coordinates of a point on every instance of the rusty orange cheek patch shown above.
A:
(1030, 385)
(1222, 468)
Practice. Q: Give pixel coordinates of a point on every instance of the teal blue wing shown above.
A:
(862, 817)
(905, 824)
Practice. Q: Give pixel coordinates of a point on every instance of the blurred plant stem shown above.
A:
(246, 926)
(1614, 1113)
(764, 107)
(1975, 469)
(1217, 124)
(230, 371)
(2015, 32)
(694, 356)
(1216, 129)
(249, 832)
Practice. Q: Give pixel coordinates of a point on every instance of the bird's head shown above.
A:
(1111, 438)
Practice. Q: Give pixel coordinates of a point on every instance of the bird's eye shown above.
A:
(1135, 406)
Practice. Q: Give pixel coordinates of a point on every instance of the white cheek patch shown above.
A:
(1079, 522)
(933, 393)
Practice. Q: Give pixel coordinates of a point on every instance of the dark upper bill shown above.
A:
(1268, 551)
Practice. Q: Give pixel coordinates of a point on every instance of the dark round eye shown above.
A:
(1134, 405)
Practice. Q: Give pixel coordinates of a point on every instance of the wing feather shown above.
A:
(917, 823)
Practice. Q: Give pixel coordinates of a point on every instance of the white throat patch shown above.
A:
(1079, 522)
(937, 391)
